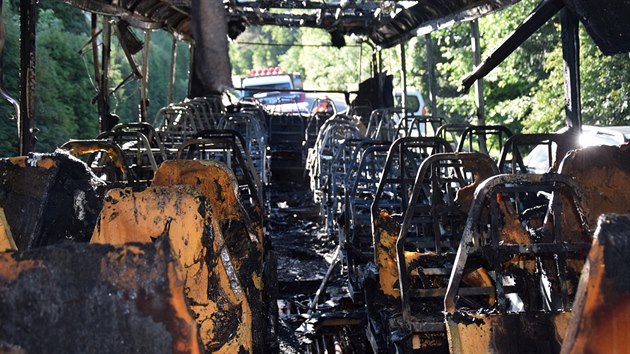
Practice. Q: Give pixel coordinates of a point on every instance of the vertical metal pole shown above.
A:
(360, 61)
(144, 89)
(403, 69)
(379, 79)
(171, 83)
(26, 124)
(374, 63)
(95, 60)
(431, 72)
(475, 39)
(107, 121)
(191, 66)
(571, 56)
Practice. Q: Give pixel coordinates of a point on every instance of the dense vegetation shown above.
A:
(65, 89)
(525, 92)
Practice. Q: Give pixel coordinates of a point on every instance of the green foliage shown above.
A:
(526, 91)
(11, 65)
(65, 83)
(605, 85)
(61, 97)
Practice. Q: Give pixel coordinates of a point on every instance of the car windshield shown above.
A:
(269, 87)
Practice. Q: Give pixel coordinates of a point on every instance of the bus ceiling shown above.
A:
(385, 23)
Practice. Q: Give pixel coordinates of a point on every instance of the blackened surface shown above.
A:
(606, 21)
(523, 334)
(614, 234)
(211, 69)
(45, 206)
(226, 324)
(301, 247)
(377, 96)
(241, 248)
(75, 303)
(431, 14)
(464, 318)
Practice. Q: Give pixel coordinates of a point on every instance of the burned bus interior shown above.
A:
(236, 226)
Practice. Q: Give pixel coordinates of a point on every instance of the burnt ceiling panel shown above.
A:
(425, 16)
(607, 22)
(386, 23)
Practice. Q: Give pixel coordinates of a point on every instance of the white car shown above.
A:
(537, 161)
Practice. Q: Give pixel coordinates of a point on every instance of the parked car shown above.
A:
(537, 161)
(415, 102)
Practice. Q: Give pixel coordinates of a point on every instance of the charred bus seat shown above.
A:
(105, 159)
(592, 181)
(321, 111)
(355, 238)
(516, 147)
(83, 298)
(452, 132)
(393, 194)
(48, 198)
(228, 148)
(531, 268)
(487, 139)
(251, 125)
(601, 311)
(419, 125)
(416, 250)
(215, 293)
(334, 189)
(326, 161)
(603, 173)
(137, 150)
(325, 147)
(382, 125)
(251, 253)
(180, 121)
(146, 129)
(286, 144)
